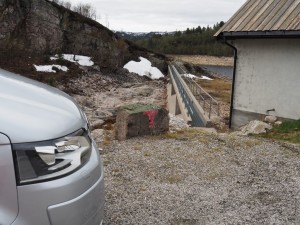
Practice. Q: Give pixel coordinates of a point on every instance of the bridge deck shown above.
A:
(191, 97)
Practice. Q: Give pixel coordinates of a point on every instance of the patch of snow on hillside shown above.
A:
(144, 68)
(188, 75)
(205, 78)
(49, 68)
(80, 59)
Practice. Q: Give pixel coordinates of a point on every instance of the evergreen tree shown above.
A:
(192, 41)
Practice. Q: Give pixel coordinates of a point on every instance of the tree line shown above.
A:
(195, 41)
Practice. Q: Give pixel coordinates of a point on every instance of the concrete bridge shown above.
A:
(188, 100)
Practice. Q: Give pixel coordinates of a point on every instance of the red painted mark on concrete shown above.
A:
(151, 114)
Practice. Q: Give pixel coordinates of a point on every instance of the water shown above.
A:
(223, 70)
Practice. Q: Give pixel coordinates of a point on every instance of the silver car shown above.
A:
(50, 168)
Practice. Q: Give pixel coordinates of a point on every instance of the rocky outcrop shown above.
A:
(43, 27)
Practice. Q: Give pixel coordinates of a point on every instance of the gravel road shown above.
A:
(189, 177)
(196, 178)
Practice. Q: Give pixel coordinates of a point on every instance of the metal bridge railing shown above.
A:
(207, 102)
(188, 102)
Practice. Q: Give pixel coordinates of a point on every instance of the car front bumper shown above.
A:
(77, 199)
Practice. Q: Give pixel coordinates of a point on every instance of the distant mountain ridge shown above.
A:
(133, 36)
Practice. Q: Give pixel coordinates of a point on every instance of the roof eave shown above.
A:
(258, 34)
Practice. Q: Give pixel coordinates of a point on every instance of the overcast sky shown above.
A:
(161, 15)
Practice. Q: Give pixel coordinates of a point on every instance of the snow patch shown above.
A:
(80, 59)
(144, 68)
(205, 78)
(188, 75)
(49, 68)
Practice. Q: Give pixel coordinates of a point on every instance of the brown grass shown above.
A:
(174, 179)
(218, 88)
(181, 134)
(205, 60)
(106, 141)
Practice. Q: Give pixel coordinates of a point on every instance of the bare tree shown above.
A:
(107, 21)
(63, 3)
(67, 4)
(86, 10)
(57, 1)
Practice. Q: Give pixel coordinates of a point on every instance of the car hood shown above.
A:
(31, 111)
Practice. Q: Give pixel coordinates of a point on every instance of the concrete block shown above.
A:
(141, 119)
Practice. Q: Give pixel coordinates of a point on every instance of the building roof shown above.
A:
(259, 18)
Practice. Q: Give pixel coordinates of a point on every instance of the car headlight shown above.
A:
(53, 159)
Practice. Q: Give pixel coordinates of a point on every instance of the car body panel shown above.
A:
(31, 111)
(92, 209)
(8, 190)
(42, 200)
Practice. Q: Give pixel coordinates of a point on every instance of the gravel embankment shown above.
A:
(197, 178)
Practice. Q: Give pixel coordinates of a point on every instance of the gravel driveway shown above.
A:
(193, 177)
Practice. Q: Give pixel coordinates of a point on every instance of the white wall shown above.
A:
(268, 76)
